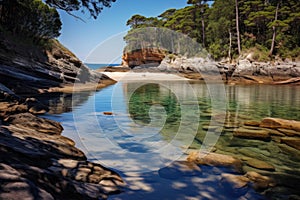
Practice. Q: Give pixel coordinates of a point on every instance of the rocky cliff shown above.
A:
(27, 68)
(36, 161)
(146, 56)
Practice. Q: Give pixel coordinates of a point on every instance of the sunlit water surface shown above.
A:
(155, 123)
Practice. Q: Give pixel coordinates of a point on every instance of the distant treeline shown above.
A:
(226, 28)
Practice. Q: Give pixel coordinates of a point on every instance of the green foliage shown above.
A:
(215, 26)
(259, 53)
(94, 7)
(30, 18)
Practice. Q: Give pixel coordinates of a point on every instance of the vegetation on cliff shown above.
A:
(229, 28)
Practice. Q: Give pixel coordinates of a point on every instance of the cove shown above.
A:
(154, 125)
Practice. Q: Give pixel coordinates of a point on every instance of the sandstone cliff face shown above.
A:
(25, 68)
(147, 56)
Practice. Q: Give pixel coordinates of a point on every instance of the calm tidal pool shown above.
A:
(153, 124)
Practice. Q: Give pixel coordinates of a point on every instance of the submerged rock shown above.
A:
(292, 142)
(259, 181)
(215, 159)
(252, 134)
(276, 123)
(259, 164)
(234, 181)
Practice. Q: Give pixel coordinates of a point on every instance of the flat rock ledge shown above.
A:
(36, 162)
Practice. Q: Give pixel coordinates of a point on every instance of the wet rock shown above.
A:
(289, 132)
(274, 132)
(235, 181)
(252, 134)
(10, 108)
(234, 184)
(107, 113)
(29, 121)
(7, 94)
(292, 142)
(179, 169)
(258, 164)
(214, 159)
(251, 123)
(259, 181)
(276, 123)
(35, 107)
(14, 186)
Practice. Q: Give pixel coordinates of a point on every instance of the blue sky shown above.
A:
(82, 37)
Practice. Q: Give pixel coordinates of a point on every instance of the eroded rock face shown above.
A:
(145, 56)
(248, 67)
(28, 69)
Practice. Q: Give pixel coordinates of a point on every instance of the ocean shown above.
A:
(98, 66)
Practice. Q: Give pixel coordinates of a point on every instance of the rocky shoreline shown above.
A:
(36, 161)
(244, 70)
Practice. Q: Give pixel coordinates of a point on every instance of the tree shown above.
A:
(220, 28)
(30, 18)
(202, 5)
(237, 26)
(274, 29)
(136, 21)
(94, 7)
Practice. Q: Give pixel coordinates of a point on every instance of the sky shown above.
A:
(100, 41)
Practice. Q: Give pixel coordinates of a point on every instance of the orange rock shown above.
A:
(107, 113)
(215, 159)
(292, 142)
(280, 123)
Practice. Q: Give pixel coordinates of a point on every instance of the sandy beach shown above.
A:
(143, 76)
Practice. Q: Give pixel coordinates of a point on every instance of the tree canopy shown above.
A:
(38, 19)
(271, 26)
(94, 7)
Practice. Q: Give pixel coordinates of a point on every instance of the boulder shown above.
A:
(234, 181)
(259, 181)
(235, 185)
(36, 107)
(292, 142)
(29, 121)
(10, 108)
(215, 159)
(252, 134)
(276, 123)
(259, 164)
(251, 123)
(289, 132)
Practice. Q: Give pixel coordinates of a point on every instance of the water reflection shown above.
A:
(60, 103)
(147, 117)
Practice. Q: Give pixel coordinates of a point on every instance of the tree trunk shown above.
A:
(203, 27)
(230, 45)
(237, 26)
(274, 31)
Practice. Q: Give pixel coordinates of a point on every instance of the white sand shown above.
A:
(143, 76)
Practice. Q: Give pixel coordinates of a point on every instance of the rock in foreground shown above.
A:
(214, 159)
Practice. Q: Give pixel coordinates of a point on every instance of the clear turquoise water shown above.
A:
(156, 123)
